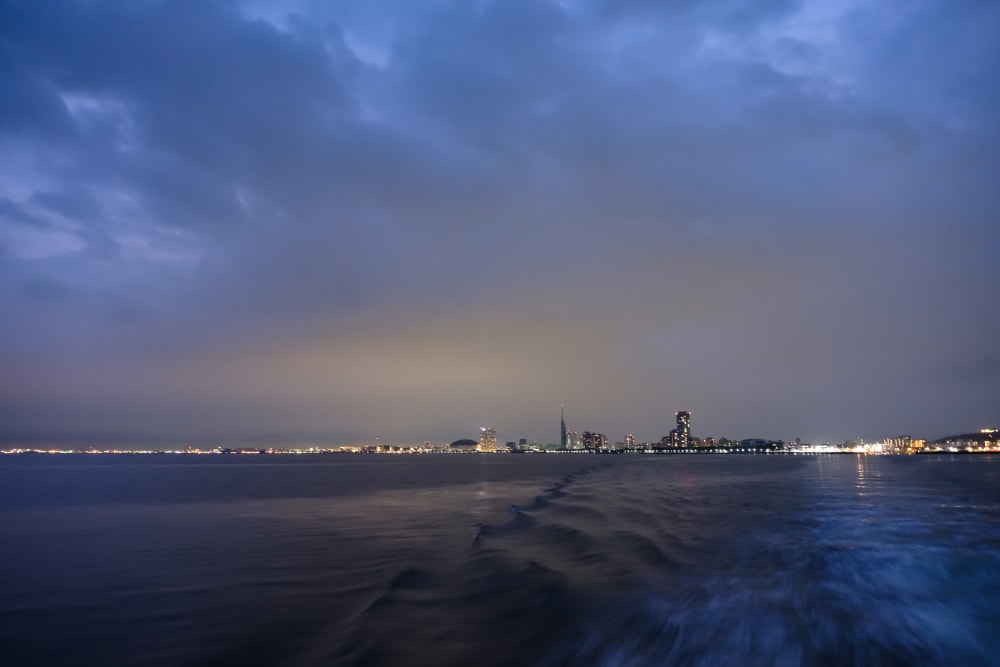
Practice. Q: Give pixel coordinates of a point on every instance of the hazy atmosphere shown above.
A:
(331, 221)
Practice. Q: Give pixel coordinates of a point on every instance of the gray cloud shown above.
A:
(223, 218)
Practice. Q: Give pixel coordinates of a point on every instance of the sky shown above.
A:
(327, 222)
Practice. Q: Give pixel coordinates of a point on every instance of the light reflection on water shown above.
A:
(544, 560)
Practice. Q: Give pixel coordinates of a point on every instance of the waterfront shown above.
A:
(536, 560)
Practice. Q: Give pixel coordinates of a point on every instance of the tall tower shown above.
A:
(563, 440)
(487, 439)
(683, 429)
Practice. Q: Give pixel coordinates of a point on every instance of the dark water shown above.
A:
(500, 560)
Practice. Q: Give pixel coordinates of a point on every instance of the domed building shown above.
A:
(465, 445)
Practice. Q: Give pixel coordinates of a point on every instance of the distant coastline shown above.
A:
(421, 451)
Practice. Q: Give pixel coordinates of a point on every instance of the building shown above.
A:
(563, 440)
(487, 439)
(464, 445)
(573, 439)
(629, 441)
(901, 444)
(683, 429)
(761, 444)
(594, 442)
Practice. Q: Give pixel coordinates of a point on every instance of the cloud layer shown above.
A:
(324, 220)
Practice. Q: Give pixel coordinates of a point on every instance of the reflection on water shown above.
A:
(534, 560)
(861, 474)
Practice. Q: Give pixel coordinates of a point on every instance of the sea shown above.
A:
(477, 559)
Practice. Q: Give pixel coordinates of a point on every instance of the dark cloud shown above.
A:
(12, 212)
(234, 219)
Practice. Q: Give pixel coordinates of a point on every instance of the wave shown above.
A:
(626, 561)
(582, 576)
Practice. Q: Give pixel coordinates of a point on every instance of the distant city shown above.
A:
(678, 441)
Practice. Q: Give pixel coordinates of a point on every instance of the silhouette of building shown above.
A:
(563, 440)
(594, 442)
(573, 440)
(465, 445)
(683, 429)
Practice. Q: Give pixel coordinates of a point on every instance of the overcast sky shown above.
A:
(329, 221)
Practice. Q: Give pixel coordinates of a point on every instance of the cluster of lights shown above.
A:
(899, 445)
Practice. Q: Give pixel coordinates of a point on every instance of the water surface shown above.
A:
(499, 560)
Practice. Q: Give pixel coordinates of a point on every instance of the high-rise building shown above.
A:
(487, 439)
(594, 442)
(899, 445)
(563, 441)
(629, 441)
(683, 429)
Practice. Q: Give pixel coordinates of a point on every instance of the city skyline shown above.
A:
(273, 221)
(680, 439)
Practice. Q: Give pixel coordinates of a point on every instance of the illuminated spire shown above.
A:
(563, 440)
